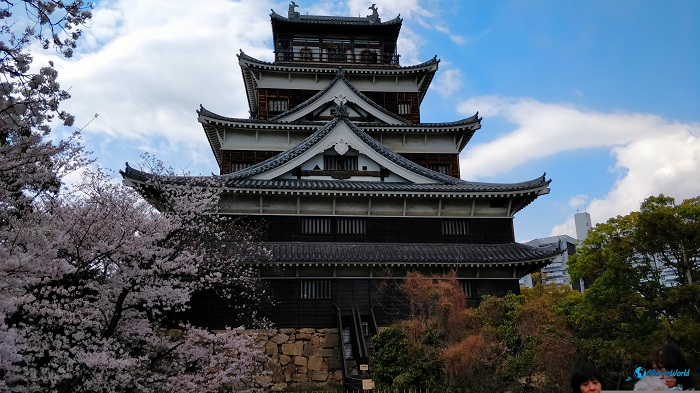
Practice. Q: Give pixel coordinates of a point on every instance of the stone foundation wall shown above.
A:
(299, 358)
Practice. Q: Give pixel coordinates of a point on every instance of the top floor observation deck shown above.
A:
(335, 39)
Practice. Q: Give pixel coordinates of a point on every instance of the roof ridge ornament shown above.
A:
(341, 147)
(291, 12)
(374, 18)
(341, 110)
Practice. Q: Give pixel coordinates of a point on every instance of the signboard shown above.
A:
(367, 384)
(364, 367)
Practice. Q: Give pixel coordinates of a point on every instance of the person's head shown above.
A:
(586, 379)
(669, 358)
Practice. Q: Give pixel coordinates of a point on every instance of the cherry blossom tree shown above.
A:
(31, 163)
(91, 276)
(91, 279)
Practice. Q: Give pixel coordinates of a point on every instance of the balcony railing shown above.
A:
(337, 55)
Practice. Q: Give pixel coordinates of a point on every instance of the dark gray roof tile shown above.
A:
(407, 253)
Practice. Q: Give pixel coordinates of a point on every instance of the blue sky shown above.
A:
(603, 96)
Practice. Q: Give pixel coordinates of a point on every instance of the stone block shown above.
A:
(308, 349)
(319, 376)
(302, 378)
(303, 336)
(302, 370)
(284, 360)
(287, 331)
(264, 380)
(328, 352)
(338, 376)
(331, 341)
(280, 338)
(333, 330)
(270, 348)
(316, 363)
(279, 387)
(293, 349)
(300, 361)
(333, 363)
(307, 330)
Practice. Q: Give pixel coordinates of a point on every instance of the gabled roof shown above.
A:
(312, 140)
(214, 124)
(339, 85)
(250, 64)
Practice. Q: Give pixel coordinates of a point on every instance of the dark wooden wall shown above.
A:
(289, 310)
(389, 101)
(393, 230)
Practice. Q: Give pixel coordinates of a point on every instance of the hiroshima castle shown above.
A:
(354, 191)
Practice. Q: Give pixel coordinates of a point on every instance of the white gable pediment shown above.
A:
(342, 141)
(341, 90)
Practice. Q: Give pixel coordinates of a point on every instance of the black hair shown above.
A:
(584, 372)
(670, 357)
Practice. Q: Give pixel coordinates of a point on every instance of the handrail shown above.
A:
(364, 356)
(374, 319)
(342, 347)
(357, 333)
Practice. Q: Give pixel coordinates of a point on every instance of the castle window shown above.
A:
(404, 108)
(305, 54)
(468, 288)
(455, 227)
(348, 163)
(316, 226)
(316, 289)
(440, 168)
(352, 226)
(239, 166)
(277, 105)
(368, 56)
(336, 55)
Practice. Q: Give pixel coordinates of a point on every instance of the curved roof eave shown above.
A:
(529, 189)
(348, 20)
(474, 120)
(408, 254)
(350, 68)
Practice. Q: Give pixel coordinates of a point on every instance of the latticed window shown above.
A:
(277, 105)
(455, 227)
(316, 225)
(352, 226)
(404, 108)
(348, 163)
(468, 288)
(368, 56)
(305, 54)
(239, 166)
(336, 55)
(440, 168)
(316, 289)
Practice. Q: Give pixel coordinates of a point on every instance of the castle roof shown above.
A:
(406, 254)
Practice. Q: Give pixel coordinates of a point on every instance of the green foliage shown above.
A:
(401, 364)
(626, 312)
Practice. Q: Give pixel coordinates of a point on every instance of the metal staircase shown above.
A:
(357, 348)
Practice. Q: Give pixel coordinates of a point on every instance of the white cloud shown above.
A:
(146, 67)
(448, 82)
(652, 155)
(579, 202)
